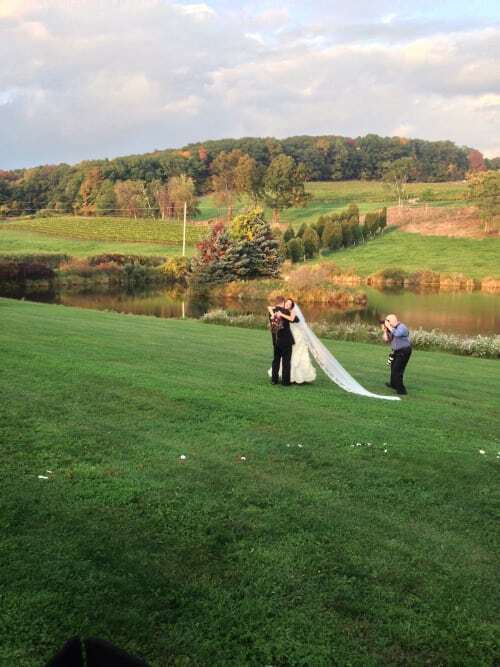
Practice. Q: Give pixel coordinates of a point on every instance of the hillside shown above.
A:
(396, 249)
(97, 186)
(374, 522)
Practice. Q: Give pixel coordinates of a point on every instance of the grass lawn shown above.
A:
(84, 236)
(476, 258)
(23, 242)
(325, 554)
(336, 195)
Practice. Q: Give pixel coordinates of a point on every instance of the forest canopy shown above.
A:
(91, 186)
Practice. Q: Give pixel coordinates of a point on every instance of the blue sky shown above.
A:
(98, 78)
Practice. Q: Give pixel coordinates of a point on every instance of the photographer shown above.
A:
(397, 335)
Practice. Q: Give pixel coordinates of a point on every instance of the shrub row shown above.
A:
(487, 347)
(331, 232)
(16, 271)
(121, 260)
(52, 260)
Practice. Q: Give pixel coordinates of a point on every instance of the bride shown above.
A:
(302, 369)
(307, 342)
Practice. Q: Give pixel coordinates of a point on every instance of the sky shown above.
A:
(85, 79)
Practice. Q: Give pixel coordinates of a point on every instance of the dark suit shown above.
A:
(282, 343)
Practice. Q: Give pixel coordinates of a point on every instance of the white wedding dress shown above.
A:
(301, 370)
(309, 342)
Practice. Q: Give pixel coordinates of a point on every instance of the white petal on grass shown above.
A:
(183, 457)
(42, 477)
(243, 458)
(481, 451)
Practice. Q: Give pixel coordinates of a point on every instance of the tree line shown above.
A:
(265, 169)
(331, 232)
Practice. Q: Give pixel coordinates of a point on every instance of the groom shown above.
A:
(282, 342)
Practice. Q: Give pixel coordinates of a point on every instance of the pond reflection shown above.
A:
(460, 312)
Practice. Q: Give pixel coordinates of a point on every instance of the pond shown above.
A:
(457, 312)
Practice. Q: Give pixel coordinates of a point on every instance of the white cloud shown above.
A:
(190, 105)
(95, 78)
(404, 130)
(199, 11)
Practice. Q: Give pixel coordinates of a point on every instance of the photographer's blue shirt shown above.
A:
(400, 337)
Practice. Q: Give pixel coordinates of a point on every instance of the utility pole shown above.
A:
(184, 231)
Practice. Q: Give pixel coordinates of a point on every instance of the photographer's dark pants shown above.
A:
(401, 358)
(283, 357)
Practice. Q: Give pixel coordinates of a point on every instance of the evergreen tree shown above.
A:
(247, 249)
(311, 243)
(332, 235)
(301, 230)
(289, 234)
(319, 225)
(295, 249)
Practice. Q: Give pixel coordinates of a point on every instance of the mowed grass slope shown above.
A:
(82, 236)
(333, 196)
(85, 236)
(325, 554)
(476, 258)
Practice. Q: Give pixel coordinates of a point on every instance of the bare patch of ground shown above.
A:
(431, 221)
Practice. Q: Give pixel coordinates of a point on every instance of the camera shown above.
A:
(381, 321)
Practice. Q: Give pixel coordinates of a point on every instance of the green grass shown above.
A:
(329, 554)
(83, 236)
(19, 241)
(329, 197)
(111, 230)
(369, 196)
(476, 258)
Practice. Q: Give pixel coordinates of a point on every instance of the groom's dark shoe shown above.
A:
(388, 384)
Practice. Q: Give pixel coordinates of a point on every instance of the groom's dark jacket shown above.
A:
(284, 337)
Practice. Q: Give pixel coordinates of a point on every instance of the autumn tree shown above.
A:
(89, 189)
(484, 189)
(396, 176)
(283, 185)
(160, 194)
(182, 189)
(476, 160)
(130, 197)
(226, 179)
(248, 178)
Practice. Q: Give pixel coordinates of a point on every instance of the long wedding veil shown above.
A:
(330, 365)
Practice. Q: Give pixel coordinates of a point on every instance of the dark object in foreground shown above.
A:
(93, 653)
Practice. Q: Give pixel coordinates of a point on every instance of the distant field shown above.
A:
(86, 236)
(336, 195)
(476, 258)
(20, 243)
(83, 236)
